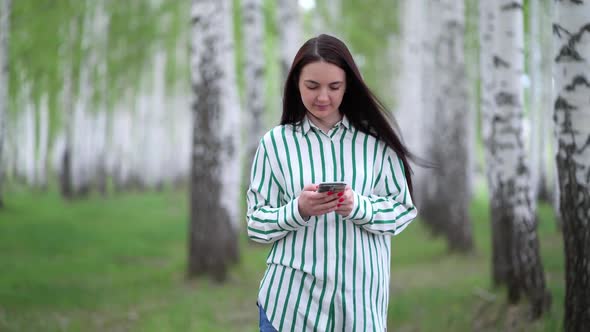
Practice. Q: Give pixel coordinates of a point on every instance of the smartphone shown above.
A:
(334, 187)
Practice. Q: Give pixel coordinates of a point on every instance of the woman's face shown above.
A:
(322, 86)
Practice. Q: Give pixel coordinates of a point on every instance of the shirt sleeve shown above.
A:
(389, 209)
(268, 219)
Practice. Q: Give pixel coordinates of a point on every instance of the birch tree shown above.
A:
(290, 31)
(66, 55)
(511, 202)
(487, 23)
(540, 74)
(4, 78)
(42, 143)
(572, 127)
(410, 112)
(447, 205)
(215, 161)
(253, 27)
(535, 146)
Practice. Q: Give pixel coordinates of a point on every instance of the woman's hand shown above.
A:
(312, 203)
(345, 202)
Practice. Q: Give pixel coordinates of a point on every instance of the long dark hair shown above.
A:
(362, 108)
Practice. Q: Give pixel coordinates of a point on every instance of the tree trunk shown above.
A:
(425, 194)
(410, 112)
(414, 63)
(253, 20)
(42, 144)
(215, 161)
(488, 15)
(4, 78)
(66, 54)
(290, 33)
(572, 120)
(448, 142)
(547, 179)
(540, 112)
(535, 113)
(513, 206)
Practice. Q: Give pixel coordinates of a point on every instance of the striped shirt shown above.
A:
(327, 273)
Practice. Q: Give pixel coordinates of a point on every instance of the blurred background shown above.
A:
(104, 147)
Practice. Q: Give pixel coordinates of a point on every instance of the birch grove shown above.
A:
(571, 73)
(215, 159)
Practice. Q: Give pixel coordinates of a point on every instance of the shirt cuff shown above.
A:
(362, 210)
(291, 218)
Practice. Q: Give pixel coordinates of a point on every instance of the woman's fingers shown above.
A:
(312, 203)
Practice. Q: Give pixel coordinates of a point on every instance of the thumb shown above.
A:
(310, 187)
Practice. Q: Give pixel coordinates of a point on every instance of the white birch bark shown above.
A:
(158, 138)
(67, 103)
(28, 140)
(447, 144)
(488, 15)
(512, 204)
(428, 76)
(42, 143)
(25, 135)
(535, 144)
(253, 27)
(215, 151)
(547, 179)
(87, 149)
(540, 112)
(413, 60)
(82, 130)
(572, 128)
(101, 28)
(410, 111)
(121, 145)
(5, 11)
(290, 33)
(474, 168)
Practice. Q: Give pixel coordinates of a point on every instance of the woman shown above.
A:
(328, 269)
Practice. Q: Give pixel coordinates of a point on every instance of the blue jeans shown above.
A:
(265, 325)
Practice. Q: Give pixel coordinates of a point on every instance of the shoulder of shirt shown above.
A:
(276, 132)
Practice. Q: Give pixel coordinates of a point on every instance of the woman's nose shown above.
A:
(323, 96)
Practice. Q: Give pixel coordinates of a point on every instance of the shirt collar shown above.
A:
(306, 124)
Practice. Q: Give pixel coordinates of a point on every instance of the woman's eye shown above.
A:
(335, 88)
(312, 87)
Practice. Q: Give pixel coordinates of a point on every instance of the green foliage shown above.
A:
(41, 44)
(367, 27)
(119, 264)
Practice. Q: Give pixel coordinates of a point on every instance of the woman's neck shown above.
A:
(324, 124)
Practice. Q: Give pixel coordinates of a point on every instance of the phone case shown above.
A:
(331, 186)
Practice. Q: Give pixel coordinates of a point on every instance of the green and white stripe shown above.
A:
(329, 273)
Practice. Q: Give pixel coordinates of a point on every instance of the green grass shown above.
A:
(118, 264)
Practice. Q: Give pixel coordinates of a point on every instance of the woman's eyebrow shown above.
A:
(314, 82)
